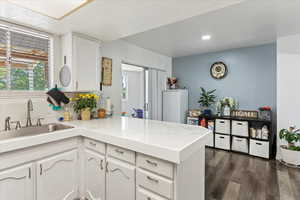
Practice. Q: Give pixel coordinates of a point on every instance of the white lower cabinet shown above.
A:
(94, 175)
(120, 180)
(57, 177)
(143, 194)
(17, 183)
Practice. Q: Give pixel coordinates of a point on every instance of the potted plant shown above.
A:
(207, 99)
(226, 105)
(84, 105)
(290, 152)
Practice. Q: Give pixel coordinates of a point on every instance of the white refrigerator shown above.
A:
(175, 105)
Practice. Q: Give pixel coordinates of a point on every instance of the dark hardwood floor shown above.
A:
(233, 176)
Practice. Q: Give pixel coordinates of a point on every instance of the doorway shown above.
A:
(134, 93)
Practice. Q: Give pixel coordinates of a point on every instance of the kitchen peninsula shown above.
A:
(115, 158)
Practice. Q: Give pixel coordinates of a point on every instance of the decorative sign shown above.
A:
(244, 114)
(106, 71)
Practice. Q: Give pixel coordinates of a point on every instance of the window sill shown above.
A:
(22, 94)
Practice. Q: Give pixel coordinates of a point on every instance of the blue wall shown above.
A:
(251, 78)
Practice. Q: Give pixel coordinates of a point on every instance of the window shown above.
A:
(24, 60)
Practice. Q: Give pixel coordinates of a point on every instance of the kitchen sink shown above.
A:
(34, 130)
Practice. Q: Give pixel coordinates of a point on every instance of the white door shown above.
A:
(57, 177)
(87, 62)
(120, 180)
(17, 183)
(94, 176)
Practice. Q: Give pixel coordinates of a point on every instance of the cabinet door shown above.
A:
(17, 183)
(86, 58)
(120, 180)
(57, 177)
(94, 175)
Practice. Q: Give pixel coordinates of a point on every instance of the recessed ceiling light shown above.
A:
(206, 37)
(56, 9)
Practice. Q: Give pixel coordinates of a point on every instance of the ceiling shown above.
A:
(110, 19)
(250, 23)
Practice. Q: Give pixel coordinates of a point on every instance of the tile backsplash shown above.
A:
(16, 108)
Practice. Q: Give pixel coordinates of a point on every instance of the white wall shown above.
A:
(121, 51)
(288, 82)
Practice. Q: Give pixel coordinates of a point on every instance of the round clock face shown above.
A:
(218, 70)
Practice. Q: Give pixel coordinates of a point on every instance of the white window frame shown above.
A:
(8, 94)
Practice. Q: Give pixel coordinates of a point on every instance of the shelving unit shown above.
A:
(233, 134)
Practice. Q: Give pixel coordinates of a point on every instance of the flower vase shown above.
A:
(85, 114)
(226, 111)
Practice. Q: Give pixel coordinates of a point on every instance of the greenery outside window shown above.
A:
(24, 60)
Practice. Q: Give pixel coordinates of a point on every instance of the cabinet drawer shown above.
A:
(222, 141)
(155, 165)
(94, 145)
(155, 183)
(240, 144)
(240, 128)
(121, 153)
(259, 148)
(142, 194)
(222, 126)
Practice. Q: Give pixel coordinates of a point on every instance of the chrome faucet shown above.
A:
(7, 124)
(29, 109)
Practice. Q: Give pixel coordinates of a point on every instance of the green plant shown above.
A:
(207, 98)
(84, 101)
(291, 135)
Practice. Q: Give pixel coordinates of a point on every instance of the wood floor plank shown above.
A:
(285, 189)
(232, 191)
(236, 176)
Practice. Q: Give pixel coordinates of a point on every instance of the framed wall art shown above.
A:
(106, 71)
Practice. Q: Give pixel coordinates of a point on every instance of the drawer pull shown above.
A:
(258, 143)
(93, 144)
(240, 124)
(152, 179)
(221, 137)
(239, 140)
(151, 163)
(119, 151)
(222, 122)
(101, 164)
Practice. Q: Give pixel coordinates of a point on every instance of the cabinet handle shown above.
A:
(239, 123)
(221, 137)
(76, 85)
(151, 163)
(152, 179)
(119, 151)
(106, 167)
(258, 143)
(41, 169)
(29, 173)
(93, 144)
(101, 164)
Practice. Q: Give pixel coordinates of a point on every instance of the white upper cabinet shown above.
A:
(94, 175)
(82, 56)
(17, 183)
(57, 177)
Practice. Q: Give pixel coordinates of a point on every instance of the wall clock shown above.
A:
(218, 70)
